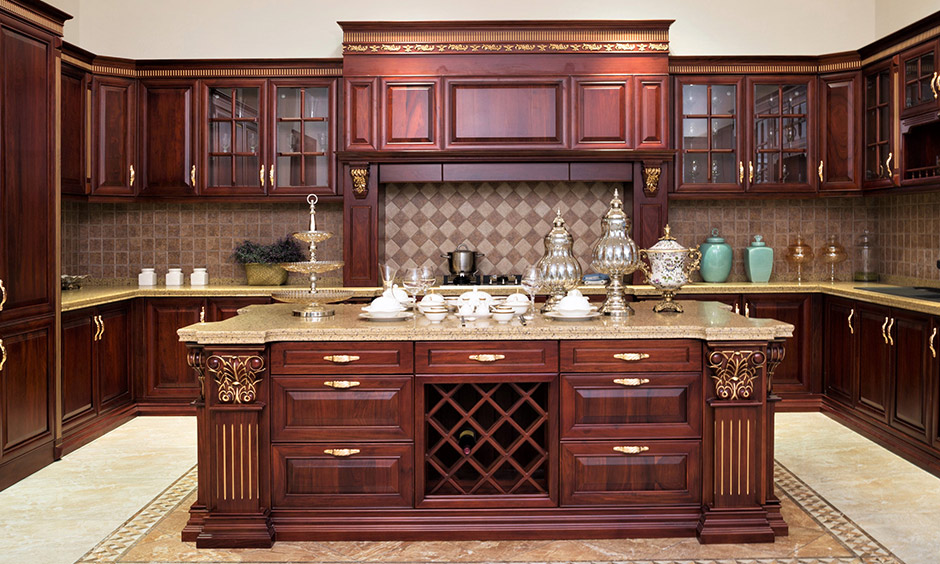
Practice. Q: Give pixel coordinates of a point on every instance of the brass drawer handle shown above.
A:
(3, 355)
(202, 314)
(101, 323)
(261, 175)
(631, 449)
(341, 358)
(888, 165)
(933, 335)
(933, 85)
(631, 357)
(3, 291)
(341, 384)
(851, 329)
(632, 381)
(341, 451)
(487, 357)
(271, 176)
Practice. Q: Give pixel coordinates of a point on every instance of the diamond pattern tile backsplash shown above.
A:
(505, 221)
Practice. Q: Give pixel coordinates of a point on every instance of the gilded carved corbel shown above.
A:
(236, 376)
(194, 360)
(360, 181)
(651, 176)
(734, 372)
(775, 354)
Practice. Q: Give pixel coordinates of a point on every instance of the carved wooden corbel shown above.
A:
(360, 181)
(734, 372)
(651, 175)
(775, 355)
(194, 360)
(236, 376)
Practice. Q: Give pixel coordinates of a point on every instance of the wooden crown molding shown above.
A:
(38, 13)
(493, 37)
(839, 62)
(127, 68)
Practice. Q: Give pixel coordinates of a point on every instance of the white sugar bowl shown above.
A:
(384, 306)
(574, 304)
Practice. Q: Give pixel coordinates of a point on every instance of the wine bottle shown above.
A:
(466, 439)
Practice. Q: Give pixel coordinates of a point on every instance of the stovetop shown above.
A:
(483, 280)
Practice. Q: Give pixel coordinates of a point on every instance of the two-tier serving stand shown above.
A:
(314, 299)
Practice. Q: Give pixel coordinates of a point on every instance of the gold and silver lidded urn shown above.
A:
(558, 269)
(671, 266)
(615, 254)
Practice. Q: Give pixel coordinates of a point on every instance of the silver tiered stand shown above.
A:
(314, 299)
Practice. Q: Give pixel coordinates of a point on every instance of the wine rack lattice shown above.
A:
(511, 424)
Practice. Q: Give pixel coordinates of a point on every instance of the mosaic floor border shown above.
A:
(864, 547)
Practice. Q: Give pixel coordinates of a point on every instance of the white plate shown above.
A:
(558, 316)
(400, 317)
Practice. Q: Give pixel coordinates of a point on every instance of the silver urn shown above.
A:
(559, 270)
(615, 254)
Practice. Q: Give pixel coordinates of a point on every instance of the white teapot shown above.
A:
(670, 267)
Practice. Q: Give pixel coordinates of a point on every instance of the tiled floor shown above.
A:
(59, 513)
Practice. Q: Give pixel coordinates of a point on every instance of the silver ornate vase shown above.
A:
(615, 254)
(559, 270)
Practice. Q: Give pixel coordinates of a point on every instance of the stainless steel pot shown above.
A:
(462, 261)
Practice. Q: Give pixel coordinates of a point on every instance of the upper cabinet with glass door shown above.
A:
(233, 138)
(710, 135)
(920, 123)
(781, 145)
(879, 144)
(919, 88)
(302, 137)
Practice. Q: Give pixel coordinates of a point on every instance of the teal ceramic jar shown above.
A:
(716, 258)
(758, 260)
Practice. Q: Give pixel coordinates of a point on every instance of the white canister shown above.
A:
(147, 277)
(199, 277)
(174, 277)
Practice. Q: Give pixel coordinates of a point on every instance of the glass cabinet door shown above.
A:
(234, 139)
(918, 76)
(709, 138)
(780, 136)
(303, 139)
(879, 155)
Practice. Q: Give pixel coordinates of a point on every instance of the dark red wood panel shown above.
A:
(651, 112)
(378, 357)
(112, 353)
(793, 373)
(505, 172)
(875, 360)
(410, 112)
(601, 110)
(360, 238)
(26, 386)
(454, 357)
(840, 113)
(73, 112)
(912, 376)
(664, 356)
(167, 373)
(361, 110)
(506, 112)
(220, 309)
(115, 137)
(78, 384)
(841, 330)
(167, 138)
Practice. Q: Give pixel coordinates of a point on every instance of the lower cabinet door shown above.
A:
(168, 376)
(26, 381)
(631, 472)
(343, 475)
(112, 357)
(78, 384)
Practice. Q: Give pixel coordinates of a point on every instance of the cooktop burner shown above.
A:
(482, 280)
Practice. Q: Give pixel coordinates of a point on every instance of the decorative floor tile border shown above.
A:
(866, 549)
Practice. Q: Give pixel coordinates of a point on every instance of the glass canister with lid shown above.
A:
(865, 257)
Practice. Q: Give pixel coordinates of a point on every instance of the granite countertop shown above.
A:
(260, 324)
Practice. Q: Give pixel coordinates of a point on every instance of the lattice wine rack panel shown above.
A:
(508, 429)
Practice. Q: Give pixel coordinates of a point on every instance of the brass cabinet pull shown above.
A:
(888, 165)
(821, 171)
(890, 338)
(341, 451)
(3, 297)
(933, 85)
(740, 172)
(632, 381)
(747, 310)
(202, 314)
(132, 175)
(631, 449)
(97, 328)
(883, 327)
(261, 175)
(851, 329)
(341, 358)
(631, 357)
(933, 335)
(750, 171)
(100, 328)
(271, 176)
(192, 176)
(487, 357)
(341, 384)
(737, 309)
(3, 355)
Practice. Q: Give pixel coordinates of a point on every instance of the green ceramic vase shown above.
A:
(716, 258)
(758, 260)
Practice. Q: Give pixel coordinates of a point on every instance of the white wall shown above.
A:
(892, 15)
(158, 29)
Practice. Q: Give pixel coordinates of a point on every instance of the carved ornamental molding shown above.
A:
(360, 181)
(236, 376)
(194, 360)
(651, 176)
(775, 355)
(734, 372)
(467, 48)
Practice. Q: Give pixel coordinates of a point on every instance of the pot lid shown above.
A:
(667, 243)
(758, 241)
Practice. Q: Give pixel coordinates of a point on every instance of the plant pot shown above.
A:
(262, 274)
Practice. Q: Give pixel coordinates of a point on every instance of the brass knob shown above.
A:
(851, 329)
(631, 449)
(631, 357)
(192, 176)
(341, 358)
(487, 357)
(3, 355)
(341, 451)
(132, 175)
(3, 294)
(632, 381)
(341, 384)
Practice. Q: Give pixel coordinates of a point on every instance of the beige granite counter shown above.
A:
(259, 324)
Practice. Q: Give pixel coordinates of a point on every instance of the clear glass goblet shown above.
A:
(413, 281)
(531, 282)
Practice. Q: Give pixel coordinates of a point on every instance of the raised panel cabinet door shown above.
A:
(167, 138)
(79, 330)
(232, 137)
(167, 373)
(411, 114)
(839, 102)
(115, 125)
(840, 332)
(75, 123)
(506, 113)
(26, 388)
(652, 114)
(27, 187)
(601, 110)
(361, 114)
(912, 382)
(112, 357)
(875, 360)
(793, 373)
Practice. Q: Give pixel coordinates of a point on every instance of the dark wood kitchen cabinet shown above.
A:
(880, 146)
(919, 97)
(75, 117)
(115, 136)
(917, 82)
(96, 382)
(167, 138)
(840, 323)
(874, 361)
(839, 164)
(233, 137)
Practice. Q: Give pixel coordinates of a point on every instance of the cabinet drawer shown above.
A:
(321, 409)
(353, 358)
(678, 355)
(596, 406)
(486, 357)
(378, 475)
(596, 474)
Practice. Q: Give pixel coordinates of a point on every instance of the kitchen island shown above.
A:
(657, 425)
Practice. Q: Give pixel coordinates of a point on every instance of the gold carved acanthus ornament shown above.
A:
(236, 376)
(360, 180)
(734, 372)
(651, 176)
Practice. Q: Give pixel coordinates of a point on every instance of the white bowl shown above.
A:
(435, 316)
(384, 306)
(432, 299)
(503, 316)
(519, 309)
(517, 299)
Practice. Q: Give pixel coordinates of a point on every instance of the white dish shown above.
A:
(378, 313)
(401, 316)
(580, 317)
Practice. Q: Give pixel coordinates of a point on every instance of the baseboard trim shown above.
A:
(81, 435)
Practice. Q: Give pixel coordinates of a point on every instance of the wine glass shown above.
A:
(388, 273)
(531, 282)
(429, 278)
(413, 281)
